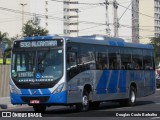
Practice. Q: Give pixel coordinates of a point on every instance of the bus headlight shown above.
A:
(58, 89)
(14, 90)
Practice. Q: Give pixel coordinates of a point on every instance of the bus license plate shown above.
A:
(34, 101)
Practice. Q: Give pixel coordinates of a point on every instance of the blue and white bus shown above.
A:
(81, 71)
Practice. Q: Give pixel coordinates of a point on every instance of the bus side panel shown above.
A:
(148, 87)
(76, 85)
(115, 84)
(111, 84)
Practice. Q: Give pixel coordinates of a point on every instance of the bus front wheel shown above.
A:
(39, 108)
(84, 105)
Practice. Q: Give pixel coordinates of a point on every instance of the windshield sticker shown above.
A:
(14, 74)
(38, 75)
(35, 80)
(25, 74)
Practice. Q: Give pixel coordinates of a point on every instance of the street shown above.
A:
(148, 106)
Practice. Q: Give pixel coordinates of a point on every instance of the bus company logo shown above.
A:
(38, 75)
(34, 92)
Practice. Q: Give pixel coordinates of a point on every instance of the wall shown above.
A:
(4, 80)
(146, 24)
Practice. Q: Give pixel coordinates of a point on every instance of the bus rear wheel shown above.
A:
(84, 105)
(132, 98)
(39, 108)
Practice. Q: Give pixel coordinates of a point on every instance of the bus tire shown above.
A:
(84, 105)
(131, 101)
(39, 108)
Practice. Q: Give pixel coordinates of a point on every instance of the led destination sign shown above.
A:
(38, 43)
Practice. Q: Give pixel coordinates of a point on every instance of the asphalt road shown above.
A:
(148, 106)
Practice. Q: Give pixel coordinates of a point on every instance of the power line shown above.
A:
(78, 2)
(61, 19)
(40, 15)
(137, 12)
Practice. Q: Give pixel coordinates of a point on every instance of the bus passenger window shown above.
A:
(71, 59)
(125, 58)
(114, 58)
(137, 59)
(101, 60)
(147, 59)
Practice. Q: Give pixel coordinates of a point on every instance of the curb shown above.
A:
(10, 106)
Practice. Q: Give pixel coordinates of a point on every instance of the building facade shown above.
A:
(146, 21)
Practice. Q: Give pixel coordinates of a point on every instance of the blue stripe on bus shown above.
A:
(120, 44)
(101, 87)
(122, 81)
(35, 91)
(112, 43)
(45, 91)
(25, 91)
(112, 87)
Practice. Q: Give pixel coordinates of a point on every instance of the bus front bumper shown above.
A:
(58, 98)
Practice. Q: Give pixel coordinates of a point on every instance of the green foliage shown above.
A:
(156, 43)
(3, 36)
(32, 28)
(5, 44)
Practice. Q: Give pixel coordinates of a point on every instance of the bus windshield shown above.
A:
(37, 66)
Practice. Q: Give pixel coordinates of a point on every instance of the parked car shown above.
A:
(158, 81)
(157, 78)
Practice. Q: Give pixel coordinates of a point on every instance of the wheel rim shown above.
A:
(133, 97)
(85, 101)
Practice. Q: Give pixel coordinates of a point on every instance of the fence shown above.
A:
(4, 80)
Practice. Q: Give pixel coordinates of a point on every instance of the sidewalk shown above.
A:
(6, 104)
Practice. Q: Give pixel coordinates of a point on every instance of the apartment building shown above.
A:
(145, 20)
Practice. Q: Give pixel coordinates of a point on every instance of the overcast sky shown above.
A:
(12, 22)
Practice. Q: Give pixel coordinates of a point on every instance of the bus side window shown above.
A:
(125, 58)
(137, 59)
(101, 60)
(71, 65)
(112, 54)
(71, 59)
(147, 59)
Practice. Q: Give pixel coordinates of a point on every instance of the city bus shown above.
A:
(80, 71)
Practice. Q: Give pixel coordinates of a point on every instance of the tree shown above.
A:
(32, 28)
(4, 42)
(156, 44)
(3, 36)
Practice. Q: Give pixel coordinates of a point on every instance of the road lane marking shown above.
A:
(155, 118)
(119, 108)
(157, 103)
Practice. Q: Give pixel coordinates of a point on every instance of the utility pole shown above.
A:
(107, 18)
(116, 23)
(46, 13)
(22, 4)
